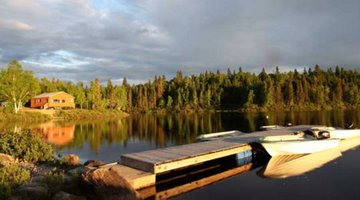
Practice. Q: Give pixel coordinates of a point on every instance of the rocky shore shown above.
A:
(67, 179)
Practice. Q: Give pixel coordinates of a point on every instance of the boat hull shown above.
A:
(299, 147)
(345, 134)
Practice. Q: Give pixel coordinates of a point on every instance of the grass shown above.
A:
(38, 115)
(83, 114)
(23, 116)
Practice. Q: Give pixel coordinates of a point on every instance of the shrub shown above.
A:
(54, 181)
(11, 176)
(25, 145)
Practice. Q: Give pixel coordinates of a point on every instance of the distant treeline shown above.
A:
(312, 89)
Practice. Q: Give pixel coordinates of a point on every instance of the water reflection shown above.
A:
(107, 140)
(295, 165)
(55, 133)
(184, 180)
(285, 166)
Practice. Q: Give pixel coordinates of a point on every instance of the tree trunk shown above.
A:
(17, 107)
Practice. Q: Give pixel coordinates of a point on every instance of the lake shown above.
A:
(337, 178)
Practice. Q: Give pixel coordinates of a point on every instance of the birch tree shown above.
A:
(17, 85)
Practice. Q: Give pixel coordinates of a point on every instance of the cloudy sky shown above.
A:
(80, 40)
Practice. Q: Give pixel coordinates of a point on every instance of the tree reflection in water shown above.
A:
(161, 130)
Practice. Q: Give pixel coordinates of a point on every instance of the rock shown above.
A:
(37, 179)
(77, 171)
(32, 191)
(93, 163)
(6, 160)
(68, 178)
(109, 185)
(66, 196)
(71, 159)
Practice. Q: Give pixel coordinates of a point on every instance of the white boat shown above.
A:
(319, 132)
(281, 138)
(270, 127)
(348, 144)
(344, 133)
(277, 140)
(218, 135)
(300, 146)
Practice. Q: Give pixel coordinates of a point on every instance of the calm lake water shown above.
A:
(338, 177)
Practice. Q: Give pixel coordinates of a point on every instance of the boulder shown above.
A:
(71, 159)
(37, 179)
(32, 191)
(108, 184)
(77, 171)
(93, 163)
(66, 196)
(6, 160)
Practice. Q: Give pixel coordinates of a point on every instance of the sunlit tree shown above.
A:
(17, 85)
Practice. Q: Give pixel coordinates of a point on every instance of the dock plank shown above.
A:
(166, 159)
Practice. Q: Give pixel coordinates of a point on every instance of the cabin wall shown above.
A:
(61, 100)
(38, 102)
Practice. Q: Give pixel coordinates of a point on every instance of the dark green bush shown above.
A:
(25, 145)
(11, 176)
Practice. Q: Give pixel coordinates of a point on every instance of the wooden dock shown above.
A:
(170, 158)
(148, 164)
(166, 159)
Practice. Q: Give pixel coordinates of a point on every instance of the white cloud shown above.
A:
(15, 25)
(141, 39)
(60, 58)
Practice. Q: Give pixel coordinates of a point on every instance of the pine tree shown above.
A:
(95, 94)
(110, 95)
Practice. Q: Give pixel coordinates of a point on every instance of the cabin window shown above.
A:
(63, 101)
(39, 100)
(56, 101)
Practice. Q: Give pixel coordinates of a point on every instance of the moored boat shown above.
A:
(218, 135)
(344, 133)
(301, 146)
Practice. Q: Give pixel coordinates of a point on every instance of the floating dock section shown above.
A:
(171, 158)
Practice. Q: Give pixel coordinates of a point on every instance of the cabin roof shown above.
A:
(49, 94)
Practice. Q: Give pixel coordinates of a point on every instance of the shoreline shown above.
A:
(36, 115)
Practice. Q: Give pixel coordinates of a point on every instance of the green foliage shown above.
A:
(11, 176)
(25, 145)
(79, 95)
(94, 95)
(121, 101)
(17, 85)
(313, 89)
(54, 181)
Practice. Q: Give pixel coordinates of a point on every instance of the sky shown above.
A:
(80, 40)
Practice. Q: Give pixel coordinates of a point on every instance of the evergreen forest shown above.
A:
(312, 89)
